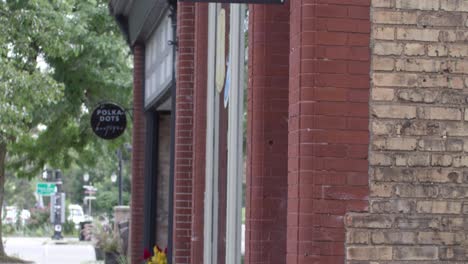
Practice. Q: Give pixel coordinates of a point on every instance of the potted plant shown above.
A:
(98, 238)
(106, 245)
(111, 250)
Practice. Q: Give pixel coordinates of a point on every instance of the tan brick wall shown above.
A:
(418, 204)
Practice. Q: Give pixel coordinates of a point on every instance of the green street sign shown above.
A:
(46, 188)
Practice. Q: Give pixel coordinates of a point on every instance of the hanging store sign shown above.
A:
(108, 121)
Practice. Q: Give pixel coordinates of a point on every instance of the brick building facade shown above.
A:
(356, 132)
(417, 177)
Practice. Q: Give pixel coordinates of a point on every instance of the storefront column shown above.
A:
(184, 134)
(199, 130)
(267, 134)
(328, 125)
(138, 157)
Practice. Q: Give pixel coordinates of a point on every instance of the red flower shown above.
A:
(146, 254)
(159, 249)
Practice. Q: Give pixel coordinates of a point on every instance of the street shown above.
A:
(43, 250)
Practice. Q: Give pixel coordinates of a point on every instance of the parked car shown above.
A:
(10, 215)
(25, 215)
(76, 215)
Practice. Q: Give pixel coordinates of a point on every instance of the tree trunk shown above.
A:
(3, 151)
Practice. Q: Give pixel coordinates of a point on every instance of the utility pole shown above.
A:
(57, 204)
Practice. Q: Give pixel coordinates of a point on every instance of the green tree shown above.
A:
(100, 177)
(19, 192)
(58, 60)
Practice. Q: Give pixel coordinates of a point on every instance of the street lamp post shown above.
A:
(113, 177)
(119, 156)
(89, 190)
(86, 177)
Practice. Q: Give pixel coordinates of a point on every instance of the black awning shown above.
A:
(138, 18)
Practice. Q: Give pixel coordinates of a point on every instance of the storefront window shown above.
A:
(224, 171)
(159, 60)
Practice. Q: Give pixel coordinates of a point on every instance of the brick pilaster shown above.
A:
(184, 134)
(138, 157)
(199, 131)
(267, 133)
(328, 125)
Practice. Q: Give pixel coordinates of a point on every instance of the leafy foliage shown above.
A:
(58, 60)
(39, 216)
(19, 192)
(107, 194)
(20, 78)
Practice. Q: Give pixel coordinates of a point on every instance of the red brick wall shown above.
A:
(184, 134)
(328, 125)
(267, 134)
(138, 157)
(199, 131)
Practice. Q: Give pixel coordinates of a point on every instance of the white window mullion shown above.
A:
(214, 240)
(235, 141)
(235, 130)
(209, 244)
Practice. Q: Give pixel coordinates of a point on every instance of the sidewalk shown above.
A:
(43, 250)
